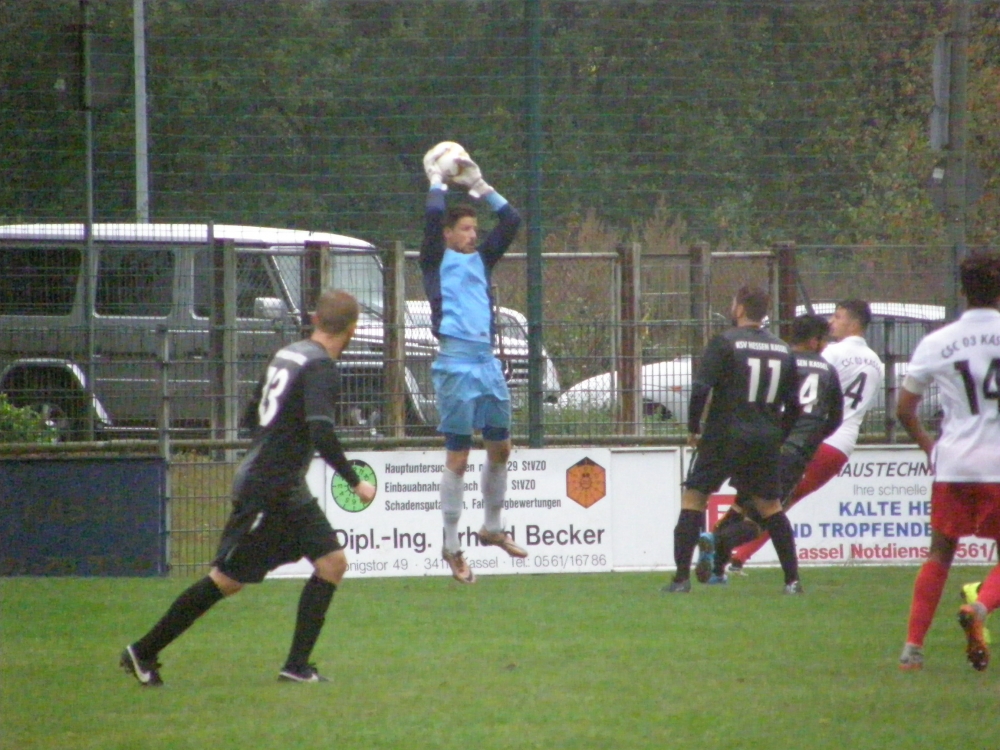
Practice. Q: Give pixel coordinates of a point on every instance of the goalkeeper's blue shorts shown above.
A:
(472, 395)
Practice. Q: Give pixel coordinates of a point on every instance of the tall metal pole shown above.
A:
(956, 194)
(533, 22)
(141, 114)
(90, 265)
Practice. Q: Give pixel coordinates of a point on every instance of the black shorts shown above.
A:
(256, 541)
(751, 466)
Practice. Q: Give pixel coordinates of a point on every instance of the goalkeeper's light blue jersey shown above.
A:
(458, 284)
(465, 302)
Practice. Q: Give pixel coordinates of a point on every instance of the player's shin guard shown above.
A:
(926, 595)
(313, 604)
(494, 484)
(685, 540)
(452, 488)
(780, 529)
(193, 602)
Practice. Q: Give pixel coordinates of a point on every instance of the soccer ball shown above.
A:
(447, 159)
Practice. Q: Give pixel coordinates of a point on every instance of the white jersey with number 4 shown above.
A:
(964, 359)
(860, 372)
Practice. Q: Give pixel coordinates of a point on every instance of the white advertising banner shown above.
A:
(599, 509)
(876, 511)
(557, 508)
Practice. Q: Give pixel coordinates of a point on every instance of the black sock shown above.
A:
(685, 540)
(729, 537)
(195, 601)
(780, 529)
(313, 604)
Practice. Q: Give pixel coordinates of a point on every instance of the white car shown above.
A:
(893, 333)
(666, 388)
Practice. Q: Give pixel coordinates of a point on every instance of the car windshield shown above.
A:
(360, 274)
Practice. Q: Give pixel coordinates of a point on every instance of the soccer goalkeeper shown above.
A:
(468, 379)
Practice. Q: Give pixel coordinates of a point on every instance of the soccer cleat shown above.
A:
(460, 569)
(677, 587)
(912, 658)
(794, 588)
(717, 580)
(970, 594)
(146, 671)
(736, 568)
(503, 540)
(976, 650)
(308, 673)
(706, 557)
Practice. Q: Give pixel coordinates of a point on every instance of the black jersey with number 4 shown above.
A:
(821, 400)
(293, 411)
(751, 375)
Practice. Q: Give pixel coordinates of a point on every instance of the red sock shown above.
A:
(989, 593)
(926, 594)
(746, 551)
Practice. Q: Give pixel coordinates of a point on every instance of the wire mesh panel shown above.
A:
(198, 506)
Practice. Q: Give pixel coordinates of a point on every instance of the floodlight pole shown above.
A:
(956, 191)
(141, 113)
(90, 266)
(533, 21)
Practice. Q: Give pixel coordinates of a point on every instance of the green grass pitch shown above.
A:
(548, 661)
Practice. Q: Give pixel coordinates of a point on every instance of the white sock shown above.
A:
(451, 507)
(494, 483)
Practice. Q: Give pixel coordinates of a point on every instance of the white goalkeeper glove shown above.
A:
(470, 176)
(434, 174)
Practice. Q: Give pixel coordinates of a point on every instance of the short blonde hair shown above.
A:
(336, 311)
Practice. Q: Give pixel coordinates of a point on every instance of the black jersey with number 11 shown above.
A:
(751, 375)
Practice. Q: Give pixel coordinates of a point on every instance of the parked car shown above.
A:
(148, 332)
(893, 333)
(666, 388)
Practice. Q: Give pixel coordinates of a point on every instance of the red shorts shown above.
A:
(966, 509)
(824, 466)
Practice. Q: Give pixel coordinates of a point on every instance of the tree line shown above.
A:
(749, 120)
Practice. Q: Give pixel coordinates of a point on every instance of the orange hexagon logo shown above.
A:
(586, 482)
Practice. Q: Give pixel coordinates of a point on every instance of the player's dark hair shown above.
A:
(336, 310)
(808, 327)
(456, 213)
(755, 301)
(981, 279)
(858, 309)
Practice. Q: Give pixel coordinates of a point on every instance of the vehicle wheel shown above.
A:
(59, 413)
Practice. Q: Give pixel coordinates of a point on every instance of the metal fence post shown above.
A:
(700, 281)
(316, 274)
(630, 413)
(784, 253)
(394, 305)
(163, 332)
(222, 340)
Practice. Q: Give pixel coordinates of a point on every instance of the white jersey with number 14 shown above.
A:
(860, 372)
(964, 359)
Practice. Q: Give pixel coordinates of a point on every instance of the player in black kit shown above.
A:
(750, 374)
(822, 407)
(275, 519)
